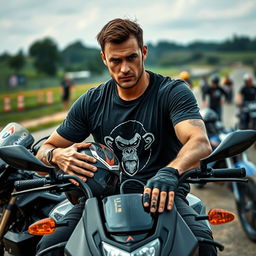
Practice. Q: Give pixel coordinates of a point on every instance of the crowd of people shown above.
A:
(215, 92)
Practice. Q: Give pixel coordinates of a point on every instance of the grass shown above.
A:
(33, 109)
(165, 71)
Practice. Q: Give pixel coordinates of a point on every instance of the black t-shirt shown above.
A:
(248, 93)
(140, 131)
(215, 95)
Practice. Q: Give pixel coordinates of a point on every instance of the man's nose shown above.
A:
(125, 67)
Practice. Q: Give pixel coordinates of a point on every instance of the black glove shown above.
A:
(166, 179)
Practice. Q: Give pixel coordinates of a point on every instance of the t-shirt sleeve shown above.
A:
(75, 127)
(182, 103)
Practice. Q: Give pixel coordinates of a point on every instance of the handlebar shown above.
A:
(195, 175)
(192, 176)
(229, 173)
(32, 183)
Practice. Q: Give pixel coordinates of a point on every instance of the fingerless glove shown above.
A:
(166, 179)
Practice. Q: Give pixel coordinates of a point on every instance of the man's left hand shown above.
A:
(161, 186)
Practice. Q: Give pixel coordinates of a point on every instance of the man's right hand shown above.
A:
(71, 162)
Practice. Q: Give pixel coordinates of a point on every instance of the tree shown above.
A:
(17, 61)
(4, 57)
(96, 65)
(237, 43)
(46, 56)
(77, 57)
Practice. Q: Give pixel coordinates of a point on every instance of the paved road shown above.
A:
(216, 195)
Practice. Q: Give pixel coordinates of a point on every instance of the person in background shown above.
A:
(228, 85)
(185, 75)
(151, 122)
(246, 95)
(216, 95)
(66, 85)
(204, 85)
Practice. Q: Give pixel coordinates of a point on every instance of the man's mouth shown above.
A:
(126, 78)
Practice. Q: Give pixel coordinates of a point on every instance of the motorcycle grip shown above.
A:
(28, 184)
(229, 173)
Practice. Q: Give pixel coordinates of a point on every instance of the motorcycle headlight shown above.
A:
(150, 249)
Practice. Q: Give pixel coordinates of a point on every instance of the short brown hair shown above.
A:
(118, 31)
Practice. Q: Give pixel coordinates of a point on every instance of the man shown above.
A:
(228, 85)
(204, 85)
(66, 85)
(246, 95)
(151, 118)
(215, 94)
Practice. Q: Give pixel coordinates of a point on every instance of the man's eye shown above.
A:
(132, 57)
(115, 61)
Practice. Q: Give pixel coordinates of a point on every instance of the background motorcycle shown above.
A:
(18, 212)
(118, 224)
(244, 193)
(247, 116)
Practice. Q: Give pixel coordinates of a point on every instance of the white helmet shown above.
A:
(246, 77)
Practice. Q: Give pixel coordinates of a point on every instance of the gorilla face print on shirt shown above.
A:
(131, 144)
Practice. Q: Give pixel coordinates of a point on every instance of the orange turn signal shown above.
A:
(220, 216)
(42, 227)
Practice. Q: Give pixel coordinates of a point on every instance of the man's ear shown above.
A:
(144, 52)
(103, 57)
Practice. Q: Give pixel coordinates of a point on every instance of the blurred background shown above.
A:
(47, 46)
(41, 41)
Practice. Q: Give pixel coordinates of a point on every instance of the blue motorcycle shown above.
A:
(244, 193)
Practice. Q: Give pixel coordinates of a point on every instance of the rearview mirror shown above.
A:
(234, 143)
(19, 157)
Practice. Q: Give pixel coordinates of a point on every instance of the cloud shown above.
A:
(24, 21)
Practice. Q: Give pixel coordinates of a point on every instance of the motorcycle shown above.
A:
(118, 224)
(244, 193)
(247, 116)
(18, 212)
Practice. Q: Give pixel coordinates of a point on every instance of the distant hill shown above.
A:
(77, 56)
(164, 53)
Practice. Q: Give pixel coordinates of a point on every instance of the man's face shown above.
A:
(125, 62)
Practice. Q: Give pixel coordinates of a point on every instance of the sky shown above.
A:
(22, 22)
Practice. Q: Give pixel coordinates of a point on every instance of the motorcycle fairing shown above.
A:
(15, 134)
(91, 231)
(125, 213)
(26, 199)
(20, 243)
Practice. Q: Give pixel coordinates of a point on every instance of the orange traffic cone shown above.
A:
(7, 104)
(49, 97)
(20, 101)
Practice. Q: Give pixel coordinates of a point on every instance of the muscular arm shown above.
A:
(66, 157)
(193, 136)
